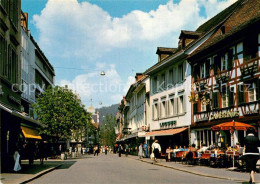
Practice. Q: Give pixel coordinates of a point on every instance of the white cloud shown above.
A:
(103, 88)
(83, 33)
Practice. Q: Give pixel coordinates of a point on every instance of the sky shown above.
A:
(81, 38)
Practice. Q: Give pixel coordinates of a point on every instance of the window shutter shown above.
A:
(166, 108)
(175, 106)
(241, 94)
(184, 70)
(258, 89)
(215, 100)
(207, 68)
(230, 97)
(230, 59)
(184, 104)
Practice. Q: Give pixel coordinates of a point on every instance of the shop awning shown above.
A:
(166, 132)
(30, 133)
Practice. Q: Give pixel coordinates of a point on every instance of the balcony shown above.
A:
(250, 67)
(222, 77)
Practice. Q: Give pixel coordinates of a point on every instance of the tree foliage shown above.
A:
(107, 131)
(63, 113)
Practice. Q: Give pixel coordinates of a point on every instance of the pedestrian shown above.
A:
(251, 153)
(105, 150)
(41, 152)
(156, 148)
(140, 151)
(126, 150)
(96, 150)
(120, 148)
(145, 147)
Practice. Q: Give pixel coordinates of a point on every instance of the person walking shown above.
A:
(105, 150)
(156, 148)
(251, 153)
(120, 148)
(126, 150)
(140, 151)
(96, 150)
(145, 147)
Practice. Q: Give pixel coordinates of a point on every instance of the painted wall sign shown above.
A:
(169, 123)
(222, 115)
(248, 113)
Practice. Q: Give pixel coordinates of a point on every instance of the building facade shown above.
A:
(134, 110)
(225, 75)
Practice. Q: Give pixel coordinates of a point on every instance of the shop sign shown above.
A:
(222, 115)
(169, 123)
(13, 99)
(248, 113)
(202, 119)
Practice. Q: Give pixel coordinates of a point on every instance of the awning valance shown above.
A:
(166, 132)
(30, 133)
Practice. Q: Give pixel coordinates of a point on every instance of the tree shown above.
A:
(62, 111)
(107, 131)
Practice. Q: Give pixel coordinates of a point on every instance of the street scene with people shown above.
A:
(130, 92)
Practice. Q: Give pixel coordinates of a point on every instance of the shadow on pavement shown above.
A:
(66, 165)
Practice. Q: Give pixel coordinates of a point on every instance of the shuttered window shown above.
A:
(241, 94)
(216, 64)
(231, 97)
(230, 59)
(215, 96)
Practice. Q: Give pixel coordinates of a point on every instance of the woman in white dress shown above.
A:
(140, 151)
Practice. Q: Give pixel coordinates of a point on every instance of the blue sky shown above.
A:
(82, 38)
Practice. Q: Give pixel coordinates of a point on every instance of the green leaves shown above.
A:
(107, 131)
(63, 113)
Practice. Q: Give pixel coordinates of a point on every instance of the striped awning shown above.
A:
(166, 132)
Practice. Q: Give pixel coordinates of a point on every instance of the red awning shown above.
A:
(166, 132)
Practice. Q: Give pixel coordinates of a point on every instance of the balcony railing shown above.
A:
(222, 77)
(250, 67)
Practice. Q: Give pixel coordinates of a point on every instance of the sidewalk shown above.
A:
(220, 173)
(29, 173)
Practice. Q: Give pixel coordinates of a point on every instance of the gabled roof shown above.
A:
(247, 13)
(165, 50)
(193, 34)
(218, 18)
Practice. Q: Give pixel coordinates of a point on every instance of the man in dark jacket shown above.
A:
(251, 153)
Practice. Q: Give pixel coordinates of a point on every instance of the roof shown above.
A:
(165, 50)
(190, 33)
(246, 13)
(218, 18)
(201, 31)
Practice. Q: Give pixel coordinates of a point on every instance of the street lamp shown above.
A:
(102, 73)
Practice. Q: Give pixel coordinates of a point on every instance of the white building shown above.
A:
(137, 111)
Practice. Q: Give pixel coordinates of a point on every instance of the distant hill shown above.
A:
(103, 111)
